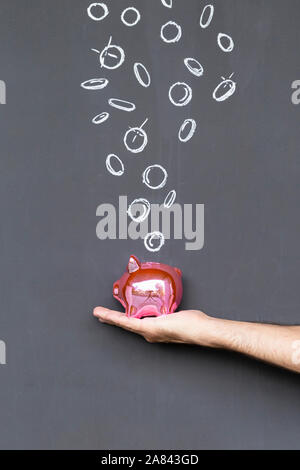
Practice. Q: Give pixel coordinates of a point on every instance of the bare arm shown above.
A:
(278, 345)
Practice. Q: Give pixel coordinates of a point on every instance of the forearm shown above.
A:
(279, 345)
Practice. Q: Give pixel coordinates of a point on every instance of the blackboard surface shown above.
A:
(70, 382)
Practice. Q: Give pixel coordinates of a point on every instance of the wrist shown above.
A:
(212, 333)
(230, 334)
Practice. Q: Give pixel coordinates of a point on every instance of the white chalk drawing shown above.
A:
(110, 168)
(100, 118)
(194, 66)
(170, 199)
(225, 89)
(146, 177)
(121, 104)
(207, 16)
(112, 56)
(225, 42)
(94, 7)
(176, 35)
(167, 3)
(95, 84)
(150, 240)
(143, 204)
(139, 71)
(190, 125)
(136, 139)
(180, 94)
(135, 12)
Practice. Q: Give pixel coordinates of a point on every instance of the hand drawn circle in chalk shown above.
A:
(136, 14)
(142, 74)
(167, 3)
(110, 167)
(95, 14)
(144, 204)
(170, 199)
(224, 90)
(112, 56)
(187, 130)
(180, 94)
(194, 66)
(225, 42)
(95, 84)
(207, 16)
(136, 139)
(100, 118)
(147, 173)
(121, 104)
(176, 32)
(150, 240)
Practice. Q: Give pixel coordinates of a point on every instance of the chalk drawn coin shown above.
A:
(225, 89)
(167, 3)
(194, 66)
(143, 207)
(121, 104)
(95, 84)
(187, 130)
(110, 168)
(180, 94)
(100, 118)
(147, 173)
(136, 14)
(136, 139)
(170, 199)
(97, 11)
(150, 239)
(225, 42)
(112, 56)
(173, 31)
(207, 16)
(142, 75)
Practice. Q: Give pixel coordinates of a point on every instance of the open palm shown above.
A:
(188, 327)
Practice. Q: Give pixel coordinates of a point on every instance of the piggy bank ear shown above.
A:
(133, 265)
(178, 271)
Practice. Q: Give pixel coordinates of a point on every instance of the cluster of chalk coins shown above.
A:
(111, 57)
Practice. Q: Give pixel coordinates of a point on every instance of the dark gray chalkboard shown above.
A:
(70, 382)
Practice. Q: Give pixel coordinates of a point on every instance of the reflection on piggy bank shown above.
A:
(149, 289)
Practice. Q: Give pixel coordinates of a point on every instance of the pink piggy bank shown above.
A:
(149, 289)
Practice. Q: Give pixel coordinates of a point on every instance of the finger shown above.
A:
(103, 313)
(119, 319)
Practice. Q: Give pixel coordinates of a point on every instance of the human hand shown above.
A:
(185, 327)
